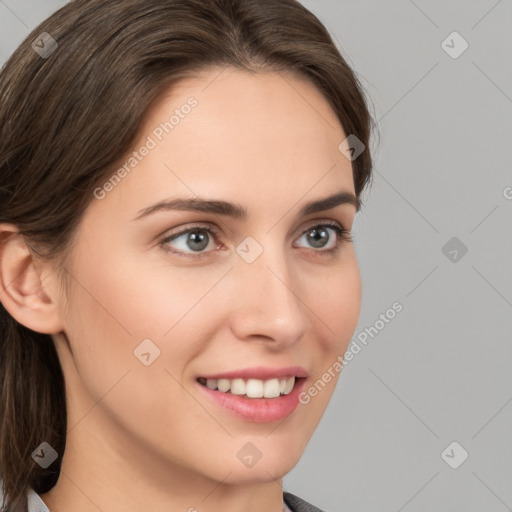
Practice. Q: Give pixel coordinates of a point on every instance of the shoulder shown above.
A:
(297, 504)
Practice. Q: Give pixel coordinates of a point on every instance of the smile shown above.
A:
(251, 388)
(258, 395)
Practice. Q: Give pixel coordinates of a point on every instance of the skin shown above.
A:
(143, 437)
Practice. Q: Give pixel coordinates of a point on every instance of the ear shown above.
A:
(21, 284)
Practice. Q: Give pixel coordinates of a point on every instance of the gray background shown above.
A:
(440, 371)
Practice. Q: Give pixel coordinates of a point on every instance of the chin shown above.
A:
(261, 473)
(275, 463)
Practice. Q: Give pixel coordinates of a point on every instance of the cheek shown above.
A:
(336, 302)
(99, 335)
(335, 305)
(128, 295)
(336, 308)
(115, 305)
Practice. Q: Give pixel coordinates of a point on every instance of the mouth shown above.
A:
(258, 395)
(252, 388)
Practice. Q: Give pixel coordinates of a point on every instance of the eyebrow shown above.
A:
(237, 211)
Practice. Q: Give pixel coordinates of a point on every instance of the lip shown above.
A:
(257, 410)
(261, 373)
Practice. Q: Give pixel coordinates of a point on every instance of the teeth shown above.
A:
(224, 384)
(271, 388)
(252, 388)
(289, 385)
(238, 387)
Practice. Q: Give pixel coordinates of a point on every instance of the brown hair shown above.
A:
(68, 117)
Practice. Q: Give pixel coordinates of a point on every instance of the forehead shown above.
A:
(227, 132)
(263, 104)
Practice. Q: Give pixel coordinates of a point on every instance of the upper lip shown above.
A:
(260, 372)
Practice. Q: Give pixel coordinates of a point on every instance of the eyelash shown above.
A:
(343, 235)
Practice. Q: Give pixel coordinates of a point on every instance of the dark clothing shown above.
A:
(297, 504)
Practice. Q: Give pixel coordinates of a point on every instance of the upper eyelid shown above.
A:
(214, 229)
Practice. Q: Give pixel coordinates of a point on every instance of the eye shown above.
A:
(319, 237)
(193, 241)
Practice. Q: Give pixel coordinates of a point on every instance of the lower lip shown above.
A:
(259, 410)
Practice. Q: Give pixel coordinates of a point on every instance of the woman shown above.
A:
(140, 372)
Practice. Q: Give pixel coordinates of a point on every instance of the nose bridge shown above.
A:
(270, 305)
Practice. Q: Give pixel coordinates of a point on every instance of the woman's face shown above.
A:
(159, 304)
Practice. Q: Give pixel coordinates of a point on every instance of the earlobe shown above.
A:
(21, 285)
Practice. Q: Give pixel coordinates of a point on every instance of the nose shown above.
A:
(268, 306)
